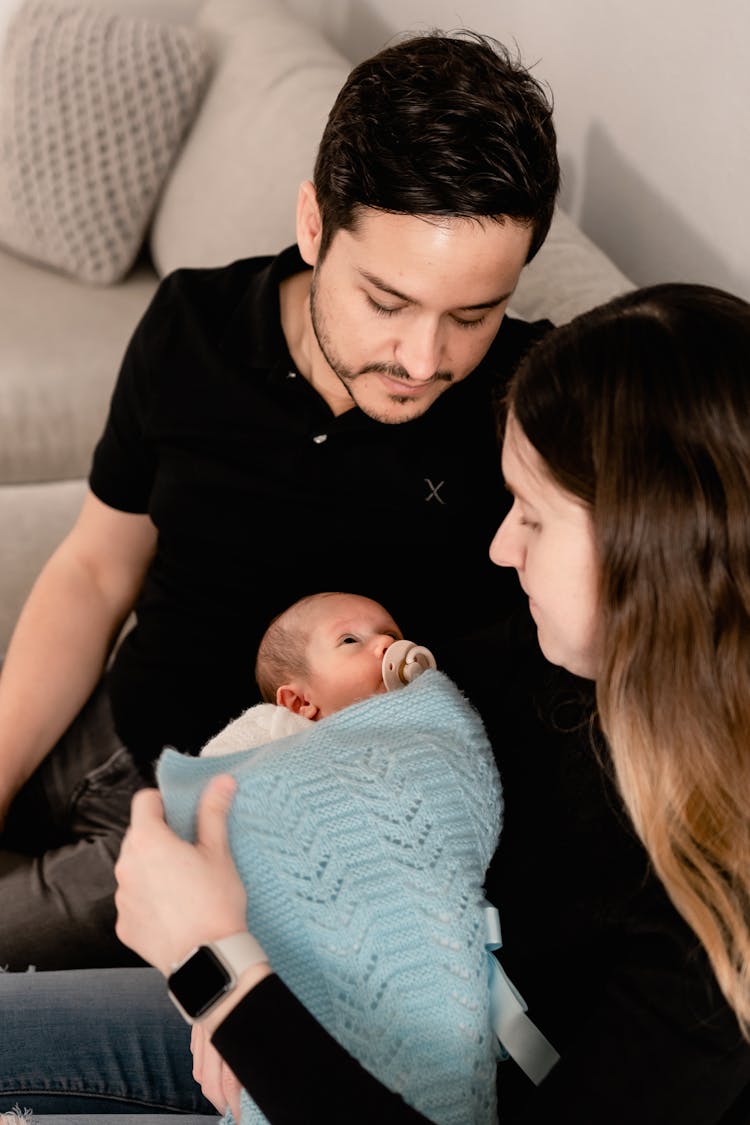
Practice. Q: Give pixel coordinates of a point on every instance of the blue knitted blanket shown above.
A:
(364, 843)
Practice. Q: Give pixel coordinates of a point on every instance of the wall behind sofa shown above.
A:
(652, 108)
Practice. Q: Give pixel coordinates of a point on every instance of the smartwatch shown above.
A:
(210, 972)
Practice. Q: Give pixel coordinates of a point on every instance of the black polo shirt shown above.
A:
(260, 496)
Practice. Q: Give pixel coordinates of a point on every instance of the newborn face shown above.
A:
(348, 636)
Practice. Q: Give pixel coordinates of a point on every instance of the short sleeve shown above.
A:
(124, 458)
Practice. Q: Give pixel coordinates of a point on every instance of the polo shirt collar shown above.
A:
(254, 327)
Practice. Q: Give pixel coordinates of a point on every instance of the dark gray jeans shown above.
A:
(59, 846)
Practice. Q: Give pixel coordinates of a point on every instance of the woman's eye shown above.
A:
(532, 525)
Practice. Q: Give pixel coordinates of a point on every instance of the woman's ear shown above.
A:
(295, 698)
(309, 223)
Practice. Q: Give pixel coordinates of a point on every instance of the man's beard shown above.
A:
(348, 377)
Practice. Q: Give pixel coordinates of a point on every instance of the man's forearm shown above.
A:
(55, 657)
(65, 632)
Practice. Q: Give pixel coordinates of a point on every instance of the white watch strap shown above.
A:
(240, 951)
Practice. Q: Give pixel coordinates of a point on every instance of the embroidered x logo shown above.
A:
(434, 493)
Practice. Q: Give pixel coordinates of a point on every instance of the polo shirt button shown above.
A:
(320, 438)
(291, 375)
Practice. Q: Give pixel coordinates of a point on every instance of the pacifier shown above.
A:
(403, 662)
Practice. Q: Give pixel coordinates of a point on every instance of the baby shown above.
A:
(322, 654)
(362, 826)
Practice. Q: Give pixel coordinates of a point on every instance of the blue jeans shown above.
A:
(96, 1042)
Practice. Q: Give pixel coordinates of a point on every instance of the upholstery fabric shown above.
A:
(61, 344)
(93, 107)
(569, 275)
(232, 192)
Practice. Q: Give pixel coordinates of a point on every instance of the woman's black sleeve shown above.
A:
(295, 1071)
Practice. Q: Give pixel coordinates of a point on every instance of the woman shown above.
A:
(627, 451)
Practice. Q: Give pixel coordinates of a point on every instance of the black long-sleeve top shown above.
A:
(610, 972)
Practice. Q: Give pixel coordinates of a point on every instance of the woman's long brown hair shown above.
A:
(642, 410)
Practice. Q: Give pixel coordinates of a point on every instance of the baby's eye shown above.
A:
(349, 639)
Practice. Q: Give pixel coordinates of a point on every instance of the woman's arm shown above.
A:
(173, 896)
(610, 971)
(295, 1071)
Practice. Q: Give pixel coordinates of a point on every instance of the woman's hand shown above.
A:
(173, 896)
(212, 1074)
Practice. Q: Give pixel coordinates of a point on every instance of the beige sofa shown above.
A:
(229, 192)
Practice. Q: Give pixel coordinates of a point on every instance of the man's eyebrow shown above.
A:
(386, 288)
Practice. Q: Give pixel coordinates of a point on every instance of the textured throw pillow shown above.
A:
(93, 107)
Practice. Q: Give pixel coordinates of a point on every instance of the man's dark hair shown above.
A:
(441, 124)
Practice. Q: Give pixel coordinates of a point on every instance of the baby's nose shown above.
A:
(382, 642)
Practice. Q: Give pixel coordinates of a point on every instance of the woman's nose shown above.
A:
(507, 547)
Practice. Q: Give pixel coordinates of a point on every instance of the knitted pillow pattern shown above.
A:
(93, 107)
(364, 843)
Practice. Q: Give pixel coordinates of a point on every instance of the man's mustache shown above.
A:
(395, 371)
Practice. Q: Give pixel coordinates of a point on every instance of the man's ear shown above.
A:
(295, 698)
(309, 223)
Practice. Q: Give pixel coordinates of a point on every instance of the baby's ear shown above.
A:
(295, 698)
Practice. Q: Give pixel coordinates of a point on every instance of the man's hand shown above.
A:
(212, 1074)
(172, 895)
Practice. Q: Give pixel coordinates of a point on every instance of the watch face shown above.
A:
(200, 982)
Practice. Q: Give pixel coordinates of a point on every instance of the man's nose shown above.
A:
(420, 352)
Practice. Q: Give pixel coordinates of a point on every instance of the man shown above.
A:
(317, 421)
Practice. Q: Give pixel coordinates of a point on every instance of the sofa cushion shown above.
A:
(93, 107)
(569, 275)
(232, 192)
(61, 345)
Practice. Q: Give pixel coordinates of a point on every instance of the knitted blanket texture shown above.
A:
(364, 843)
